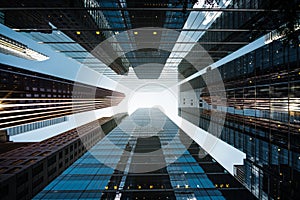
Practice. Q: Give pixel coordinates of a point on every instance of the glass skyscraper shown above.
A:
(123, 166)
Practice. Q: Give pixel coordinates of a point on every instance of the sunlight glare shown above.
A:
(165, 100)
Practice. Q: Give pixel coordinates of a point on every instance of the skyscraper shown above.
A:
(155, 161)
(172, 99)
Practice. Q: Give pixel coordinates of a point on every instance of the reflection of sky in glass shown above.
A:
(196, 20)
(89, 176)
(74, 51)
(108, 19)
(194, 176)
(242, 51)
(58, 65)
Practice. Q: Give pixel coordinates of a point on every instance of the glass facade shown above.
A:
(35, 125)
(113, 168)
(262, 117)
(262, 107)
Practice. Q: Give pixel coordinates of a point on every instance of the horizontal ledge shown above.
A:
(125, 29)
(145, 42)
(141, 9)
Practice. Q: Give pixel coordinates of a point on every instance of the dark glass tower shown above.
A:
(262, 106)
